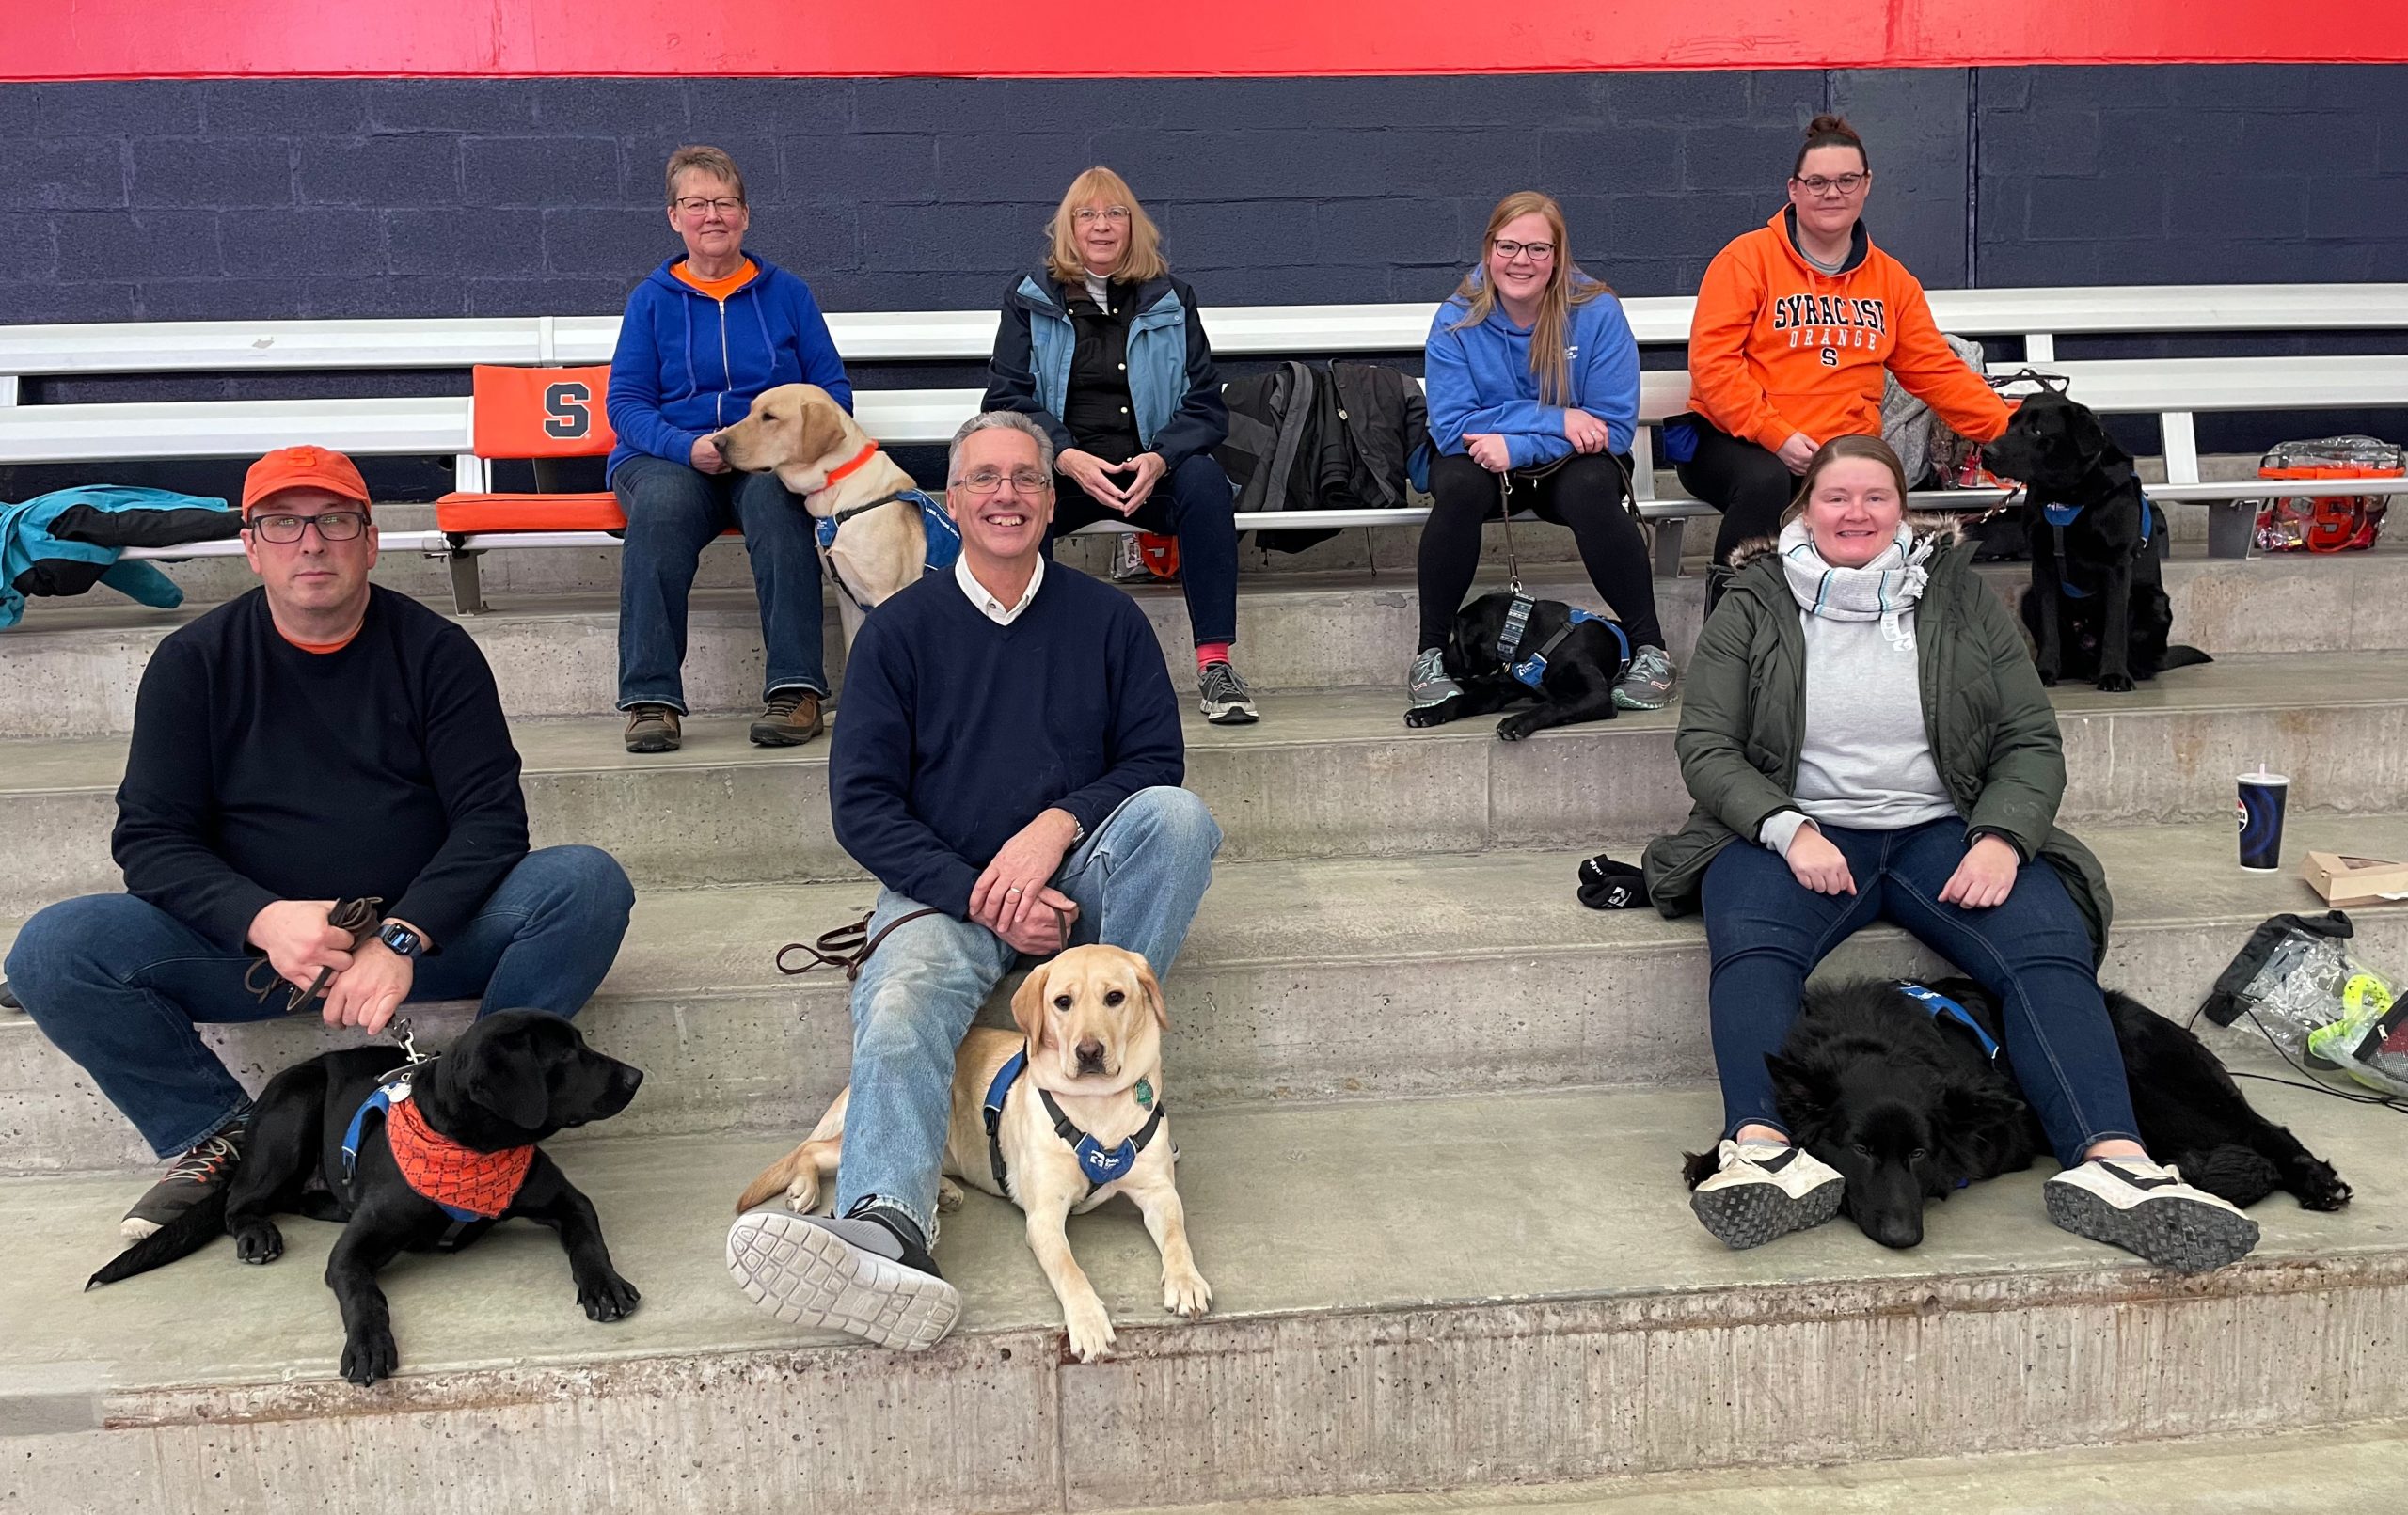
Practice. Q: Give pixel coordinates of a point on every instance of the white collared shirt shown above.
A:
(990, 606)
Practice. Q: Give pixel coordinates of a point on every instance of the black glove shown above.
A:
(1608, 885)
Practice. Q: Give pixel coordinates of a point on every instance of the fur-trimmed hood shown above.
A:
(1948, 530)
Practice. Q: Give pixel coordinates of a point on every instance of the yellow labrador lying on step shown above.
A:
(1081, 1123)
(821, 454)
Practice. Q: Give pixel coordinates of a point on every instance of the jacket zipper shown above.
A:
(726, 368)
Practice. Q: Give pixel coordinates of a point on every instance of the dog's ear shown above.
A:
(2087, 433)
(1804, 1093)
(1152, 990)
(1966, 1108)
(508, 1079)
(823, 430)
(1028, 1004)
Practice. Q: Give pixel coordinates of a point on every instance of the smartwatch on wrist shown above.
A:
(402, 940)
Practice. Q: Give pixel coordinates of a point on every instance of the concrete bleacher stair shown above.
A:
(1430, 1114)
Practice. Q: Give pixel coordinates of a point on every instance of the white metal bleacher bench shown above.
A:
(2175, 391)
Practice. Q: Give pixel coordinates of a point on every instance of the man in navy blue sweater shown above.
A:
(1009, 767)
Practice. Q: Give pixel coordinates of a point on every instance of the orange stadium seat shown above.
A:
(539, 414)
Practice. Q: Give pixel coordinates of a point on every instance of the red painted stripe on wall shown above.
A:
(148, 39)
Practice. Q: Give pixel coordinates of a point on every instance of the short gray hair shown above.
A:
(998, 421)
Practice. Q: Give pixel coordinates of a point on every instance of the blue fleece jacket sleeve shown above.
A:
(869, 768)
(1144, 748)
(822, 365)
(1606, 384)
(635, 385)
(1534, 432)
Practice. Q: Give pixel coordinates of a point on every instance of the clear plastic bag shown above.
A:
(2326, 522)
(2326, 1007)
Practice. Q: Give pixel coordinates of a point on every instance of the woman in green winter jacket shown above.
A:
(1865, 738)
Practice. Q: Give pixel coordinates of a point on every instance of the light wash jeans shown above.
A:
(1137, 880)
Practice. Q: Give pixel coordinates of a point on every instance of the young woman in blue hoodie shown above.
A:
(704, 334)
(1533, 372)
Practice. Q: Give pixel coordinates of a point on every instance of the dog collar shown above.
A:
(1101, 1164)
(1942, 1006)
(843, 470)
(466, 1184)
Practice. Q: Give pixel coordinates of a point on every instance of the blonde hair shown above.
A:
(698, 159)
(1143, 259)
(1567, 285)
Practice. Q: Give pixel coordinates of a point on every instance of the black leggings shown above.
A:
(1585, 493)
(1748, 484)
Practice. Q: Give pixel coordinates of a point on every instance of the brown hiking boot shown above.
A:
(191, 1178)
(653, 728)
(790, 718)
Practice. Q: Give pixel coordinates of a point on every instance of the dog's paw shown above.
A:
(1514, 728)
(802, 1195)
(1091, 1329)
(369, 1356)
(2319, 1188)
(1186, 1294)
(258, 1242)
(2114, 682)
(948, 1196)
(608, 1298)
(1437, 714)
(2047, 674)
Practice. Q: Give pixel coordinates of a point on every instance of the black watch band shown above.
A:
(402, 940)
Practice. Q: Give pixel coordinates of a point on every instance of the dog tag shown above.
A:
(1144, 1095)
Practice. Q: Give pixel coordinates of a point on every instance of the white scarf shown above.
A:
(1884, 590)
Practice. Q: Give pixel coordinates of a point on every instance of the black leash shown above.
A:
(359, 917)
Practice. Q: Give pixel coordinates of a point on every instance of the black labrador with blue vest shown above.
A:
(2097, 609)
(1058, 1115)
(1907, 1090)
(1508, 647)
(415, 1156)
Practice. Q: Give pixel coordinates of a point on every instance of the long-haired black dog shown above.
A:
(2097, 609)
(1565, 659)
(512, 1078)
(1911, 1104)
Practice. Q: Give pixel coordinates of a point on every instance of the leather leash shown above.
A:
(360, 917)
(849, 945)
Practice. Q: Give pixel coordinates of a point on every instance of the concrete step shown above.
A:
(1302, 981)
(1328, 775)
(1438, 1294)
(74, 667)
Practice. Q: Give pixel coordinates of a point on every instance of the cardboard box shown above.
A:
(2346, 882)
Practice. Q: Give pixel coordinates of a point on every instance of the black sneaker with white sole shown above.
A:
(1763, 1190)
(1226, 700)
(866, 1275)
(191, 1178)
(2146, 1209)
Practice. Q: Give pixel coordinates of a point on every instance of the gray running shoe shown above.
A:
(1428, 688)
(1647, 683)
(191, 1178)
(856, 1274)
(1226, 700)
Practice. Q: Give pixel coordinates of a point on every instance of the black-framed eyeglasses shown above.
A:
(697, 204)
(1840, 184)
(1537, 252)
(988, 481)
(333, 526)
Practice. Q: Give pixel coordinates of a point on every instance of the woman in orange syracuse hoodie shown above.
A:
(1795, 323)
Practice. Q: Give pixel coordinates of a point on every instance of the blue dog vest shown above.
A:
(944, 537)
(1530, 670)
(1942, 1006)
(1101, 1164)
(2061, 516)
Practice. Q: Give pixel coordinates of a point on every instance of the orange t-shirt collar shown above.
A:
(717, 289)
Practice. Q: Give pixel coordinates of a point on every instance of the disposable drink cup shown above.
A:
(2259, 812)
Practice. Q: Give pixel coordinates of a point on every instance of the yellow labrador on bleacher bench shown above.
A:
(820, 453)
(1078, 1120)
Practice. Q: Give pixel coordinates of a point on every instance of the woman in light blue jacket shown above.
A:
(1533, 374)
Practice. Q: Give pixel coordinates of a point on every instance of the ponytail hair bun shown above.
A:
(1828, 130)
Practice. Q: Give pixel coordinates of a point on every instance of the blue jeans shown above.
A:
(1137, 880)
(674, 513)
(121, 986)
(1767, 931)
(1195, 503)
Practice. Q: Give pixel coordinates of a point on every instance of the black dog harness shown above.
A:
(1529, 671)
(1101, 1164)
(2061, 516)
(1943, 1007)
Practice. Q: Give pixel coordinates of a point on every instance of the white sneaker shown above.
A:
(850, 1274)
(1763, 1190)
(2146, 1208)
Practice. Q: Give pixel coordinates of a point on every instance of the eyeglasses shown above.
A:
(1537, 252)
(696, 205)
(1822, 188)
(1089, 216)
(988, 481)
(334, 525)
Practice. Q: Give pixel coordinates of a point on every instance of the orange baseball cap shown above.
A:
(300, 467)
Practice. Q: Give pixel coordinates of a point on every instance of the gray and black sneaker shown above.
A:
(199, 1173)
(653, 728)
(1428, 689)
(1763, 1190)
(866, 1275)
(2147, 1210)
(1647, 683)
(1226, 700)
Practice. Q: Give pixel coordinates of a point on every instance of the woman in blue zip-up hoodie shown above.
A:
(1102, 348)
(1533, 372)
(704, 334)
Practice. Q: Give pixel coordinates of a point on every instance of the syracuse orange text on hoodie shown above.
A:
(1777, 346)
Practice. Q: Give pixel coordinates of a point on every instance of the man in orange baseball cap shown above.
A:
(322, 790)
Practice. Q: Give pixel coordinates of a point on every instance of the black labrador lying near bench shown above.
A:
(1909, 1104)
(418, 1158)
(1509, 647)
(2097, 609)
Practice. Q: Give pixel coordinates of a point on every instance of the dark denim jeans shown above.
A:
(1194, 502)
(1766, 932)
(674, 513)
(121, 986)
